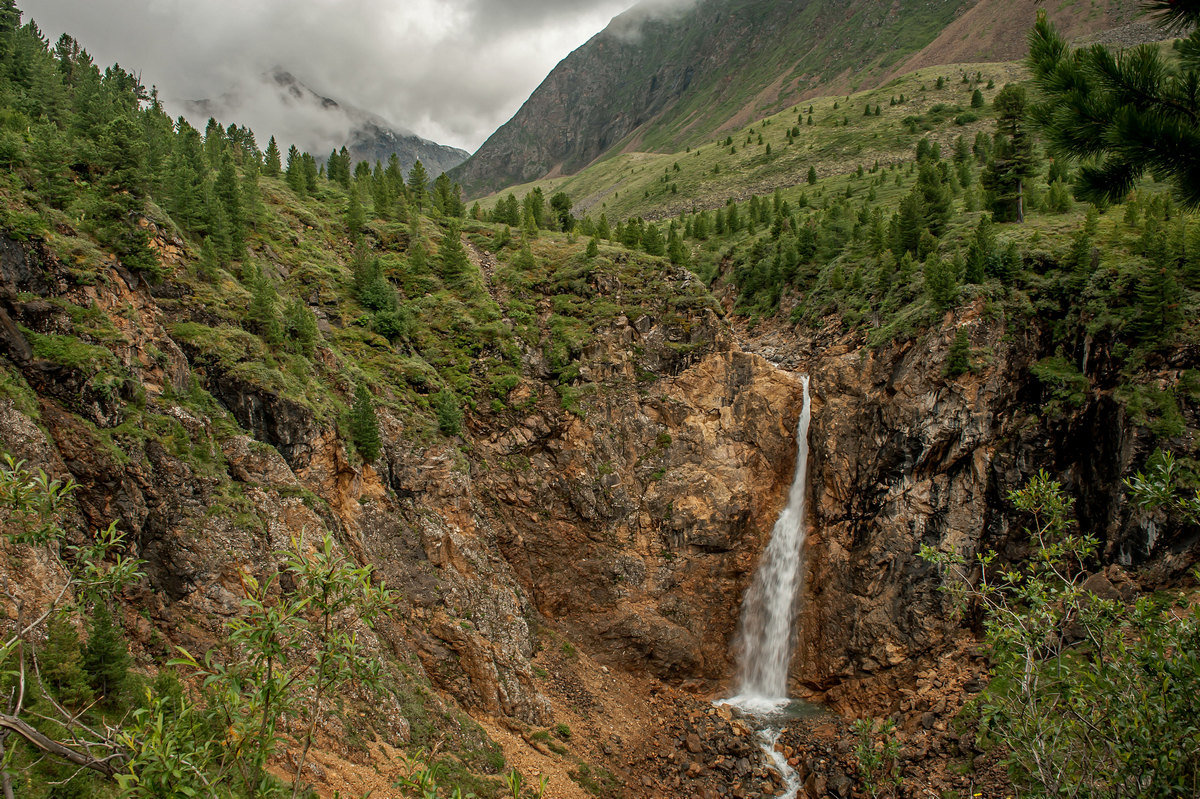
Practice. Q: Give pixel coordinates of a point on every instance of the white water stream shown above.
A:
(767, 629)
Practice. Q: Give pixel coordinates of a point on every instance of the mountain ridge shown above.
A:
(366, 135)
(661, 82)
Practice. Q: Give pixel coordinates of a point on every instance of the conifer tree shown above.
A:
(812, 175)
(603, 230)
(105, 656)
(593, 247)
(294, 172)
(958, 360)
(1126, 113)
(228, 193)
(263, 312)
(652, 240)
(560, 206)
(1012, 160)
(354, 213)
(61, 664)
(418, 185)
(309, 171)
(939, 282)
(454, 262)
(676, 250)
(300, 327)
(364, 426)
(210, 262)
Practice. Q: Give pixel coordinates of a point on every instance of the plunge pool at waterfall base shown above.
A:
(768, 717)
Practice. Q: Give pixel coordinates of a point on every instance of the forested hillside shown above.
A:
(318, 481)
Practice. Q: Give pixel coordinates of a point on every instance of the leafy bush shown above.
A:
(1090, 696)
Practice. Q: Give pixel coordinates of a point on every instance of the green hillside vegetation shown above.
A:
(864, 43)
(884, 214)
(346, 290)
(840, 138)
(340, 289)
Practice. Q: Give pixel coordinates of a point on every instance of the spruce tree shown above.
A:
(418, 185)
(676, 251)
(294, 172)
(61, 665)
(652, 241)
(263, 311)
(958, 360)
(593, 247)
(812, 175)
(354, 213)
(939, 282)
(454, 262)
(300, 327)
(105, 656)
(229, 194)
(272, 164)
(364, 426)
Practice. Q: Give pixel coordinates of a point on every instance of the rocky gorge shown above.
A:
(585, 564)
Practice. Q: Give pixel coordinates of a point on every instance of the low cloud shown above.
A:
(448, 70)
(629, 26)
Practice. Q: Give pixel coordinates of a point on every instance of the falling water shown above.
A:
(767, 629)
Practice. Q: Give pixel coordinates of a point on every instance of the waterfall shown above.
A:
(767, 628)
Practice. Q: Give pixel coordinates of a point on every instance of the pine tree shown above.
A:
(977, 99)
(812, 175)
(228, 193)
(1126, 113)
(263, 311)
(118, 201)
(1159, 297)
(105, 656)
(958, 360)
(1012, 160)
(939, 282)
(300, 327)
(209, 263)
(364, 426)
(676, 250)
(593, 247)
(560, 206)
(652, 241)
(448, 410)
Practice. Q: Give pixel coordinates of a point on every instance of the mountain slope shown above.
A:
(657, 80)
(318, 123)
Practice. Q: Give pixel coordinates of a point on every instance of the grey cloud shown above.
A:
(449, 70)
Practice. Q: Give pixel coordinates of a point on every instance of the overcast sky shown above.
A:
(449, 70)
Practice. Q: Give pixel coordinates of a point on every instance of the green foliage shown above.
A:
(1124, 113)
(292, 654)
(448, 410)
(106, 655)
(877, 754)
(1066, 385)
(1090, 696)
(364, 427)
(1012, 161)
(31, 508)
(958, 360)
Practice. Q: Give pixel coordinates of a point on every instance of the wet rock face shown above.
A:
(902, 456)
(637, 526)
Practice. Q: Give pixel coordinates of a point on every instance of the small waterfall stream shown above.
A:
(767, 628)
